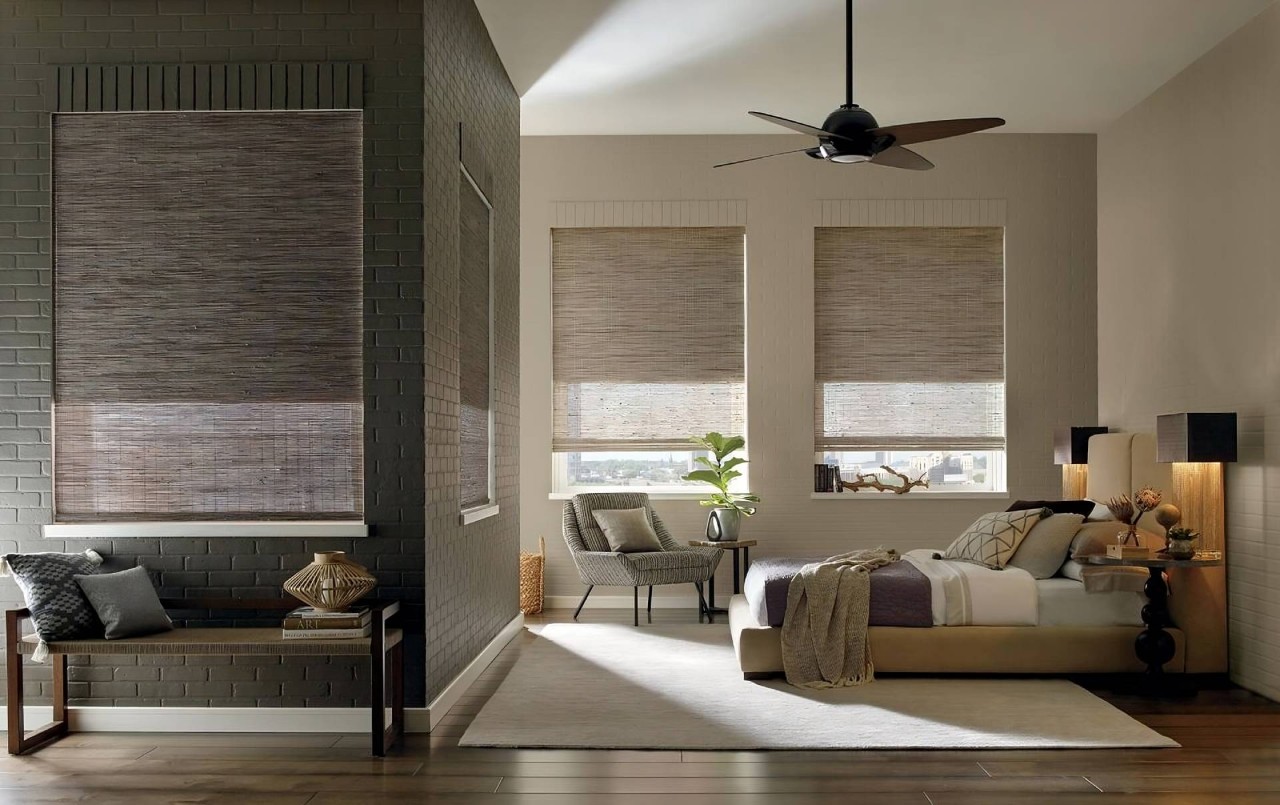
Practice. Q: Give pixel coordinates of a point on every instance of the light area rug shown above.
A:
(679, 687)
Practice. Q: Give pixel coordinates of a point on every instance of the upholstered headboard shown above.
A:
(1120, 463)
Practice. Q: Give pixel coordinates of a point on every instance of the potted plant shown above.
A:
(1181, 542)
(727, 508)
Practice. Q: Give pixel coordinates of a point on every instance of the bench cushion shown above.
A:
(226, 641)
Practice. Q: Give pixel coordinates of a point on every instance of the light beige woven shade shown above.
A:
(208, 316)
(474, 311)
(647, 336)
(909, 337)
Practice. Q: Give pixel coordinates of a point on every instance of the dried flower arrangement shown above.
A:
(1130, 510)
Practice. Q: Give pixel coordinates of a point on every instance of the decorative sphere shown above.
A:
(1168, 515)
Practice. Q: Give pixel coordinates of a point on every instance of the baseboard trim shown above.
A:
(221, 719)
(448, 697)
(689, 601)
(272, 719)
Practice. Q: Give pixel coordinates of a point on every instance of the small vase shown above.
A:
(331, 583)
(1181, 549)
(723, 525)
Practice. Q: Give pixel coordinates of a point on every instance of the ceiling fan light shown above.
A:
(850, 158)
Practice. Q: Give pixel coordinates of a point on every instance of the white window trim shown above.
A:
(477, 513)
(208, 529)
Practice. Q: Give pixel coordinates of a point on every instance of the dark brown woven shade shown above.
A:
(647, 336)
(208, 315)
(474, 310)
(909, 337)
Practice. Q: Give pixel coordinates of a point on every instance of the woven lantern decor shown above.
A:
(331, 583)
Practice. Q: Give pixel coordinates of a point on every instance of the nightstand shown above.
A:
(1154, 646)
(742, 546)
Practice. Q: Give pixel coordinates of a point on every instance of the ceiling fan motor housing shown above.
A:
(853, 123)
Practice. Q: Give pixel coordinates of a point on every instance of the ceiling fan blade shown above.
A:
(898, 157)
(766, 156)
(908, 133)
(813, 131)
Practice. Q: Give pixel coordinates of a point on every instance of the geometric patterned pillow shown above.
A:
(58, 607)
(993, 538)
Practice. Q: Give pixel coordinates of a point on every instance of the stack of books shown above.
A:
(306, 623)
(826, 478)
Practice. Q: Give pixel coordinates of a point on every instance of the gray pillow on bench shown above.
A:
(58, 609)
(126, 603)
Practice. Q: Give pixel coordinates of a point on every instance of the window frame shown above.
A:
(489, 508)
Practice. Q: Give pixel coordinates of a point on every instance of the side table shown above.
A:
(1154, 646)
(742, 546)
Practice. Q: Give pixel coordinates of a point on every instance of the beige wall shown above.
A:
(1188, 293)
(1044, 186)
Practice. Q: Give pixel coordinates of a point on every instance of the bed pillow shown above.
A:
(1047, 544)
(126, 603)
(993, 538)
(1103, 579)
(59, 609)
(1093, 538)
(1080, 507)
(1099, 514)
(628, 530)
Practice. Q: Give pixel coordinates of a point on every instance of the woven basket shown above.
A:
(531, 568)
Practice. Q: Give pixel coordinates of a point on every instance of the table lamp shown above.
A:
(1071, 450)
(1197, 444)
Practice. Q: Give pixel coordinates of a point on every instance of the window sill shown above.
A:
(652, 495)
(909, 496)
(478, 513)
(244, 528)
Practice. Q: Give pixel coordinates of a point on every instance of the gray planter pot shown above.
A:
(723, 525)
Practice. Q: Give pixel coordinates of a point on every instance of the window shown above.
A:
(909, 352)
(475, 350)
(647, 328)
(208, 316)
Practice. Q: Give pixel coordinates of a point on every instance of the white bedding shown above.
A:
(965, 594)
(1064, 602)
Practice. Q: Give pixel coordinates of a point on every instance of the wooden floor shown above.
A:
(1230, 738)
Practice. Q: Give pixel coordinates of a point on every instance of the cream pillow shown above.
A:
(1047, 544)
(1093, 538)
(628, 530)
(1106, 579)
(993, 538)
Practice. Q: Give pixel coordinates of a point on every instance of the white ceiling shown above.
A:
(697, 66)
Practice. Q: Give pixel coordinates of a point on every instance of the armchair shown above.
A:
(597, 564)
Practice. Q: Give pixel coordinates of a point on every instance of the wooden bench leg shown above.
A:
(19, 741)
(377, 688)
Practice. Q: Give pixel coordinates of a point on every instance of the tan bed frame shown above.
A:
(1118, 462)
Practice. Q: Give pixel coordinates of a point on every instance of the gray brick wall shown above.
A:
(471, 570)
(387, 37)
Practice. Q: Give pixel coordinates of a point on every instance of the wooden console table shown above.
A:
(214, 642)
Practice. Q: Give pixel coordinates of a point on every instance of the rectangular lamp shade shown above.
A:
(1195, 438)
(1071, 445)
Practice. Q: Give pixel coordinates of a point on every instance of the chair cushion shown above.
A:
(629, 530)
(671, 567)
(585, 505)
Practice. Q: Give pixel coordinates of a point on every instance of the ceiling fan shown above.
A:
(851, 134)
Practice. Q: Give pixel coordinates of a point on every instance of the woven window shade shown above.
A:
(208, 316)
(909, 337)
(474, 329)
(647, 336)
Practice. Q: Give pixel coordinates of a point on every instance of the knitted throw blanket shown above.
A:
(824, 633)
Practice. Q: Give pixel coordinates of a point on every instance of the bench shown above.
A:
(231, 641)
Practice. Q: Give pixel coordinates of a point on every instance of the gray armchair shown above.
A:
(597, 564)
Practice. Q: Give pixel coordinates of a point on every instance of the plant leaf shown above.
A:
(704, 476)
(733, 462)
(729, 445)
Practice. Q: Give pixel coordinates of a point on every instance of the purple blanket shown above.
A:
(900, 594)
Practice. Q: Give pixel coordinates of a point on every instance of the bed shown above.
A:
(1010, 622)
